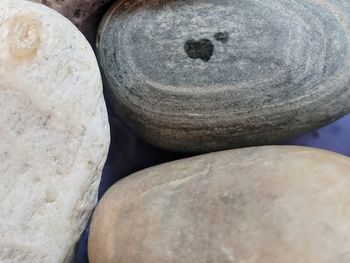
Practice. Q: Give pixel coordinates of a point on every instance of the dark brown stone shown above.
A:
(85, 14)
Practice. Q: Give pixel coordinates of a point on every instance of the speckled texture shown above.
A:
(85, 14)
(54, 133)
(205, 75)
(255, 205)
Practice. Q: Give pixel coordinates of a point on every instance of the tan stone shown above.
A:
(54, 133)
(277, 204)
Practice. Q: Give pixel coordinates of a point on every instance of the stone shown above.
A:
(128, 154)
(200, 76)
(268, 204)
(85, 14)
(54, 133)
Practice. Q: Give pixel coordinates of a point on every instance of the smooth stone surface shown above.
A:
(54, 133)
(128, 154)
(200, 76)
(257, 205)
(85, 14)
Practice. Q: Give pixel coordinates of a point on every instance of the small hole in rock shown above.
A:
(51, 196)
(77, 13)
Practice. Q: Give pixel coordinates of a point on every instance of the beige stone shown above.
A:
(54, 133)
(277, 204)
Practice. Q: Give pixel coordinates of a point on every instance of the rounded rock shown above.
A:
(54, 133)
(268, 204)
(199, 76)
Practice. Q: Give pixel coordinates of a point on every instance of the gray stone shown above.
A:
(206, 75)
(254, 205)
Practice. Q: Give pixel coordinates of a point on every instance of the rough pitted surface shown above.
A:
(54, 133)
(254, 205)
(85, 14)
(203, 75)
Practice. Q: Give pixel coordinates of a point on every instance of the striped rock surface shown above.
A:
(54, 133)
(204, 75)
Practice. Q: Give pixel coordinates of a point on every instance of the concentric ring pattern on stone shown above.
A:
(208, 75)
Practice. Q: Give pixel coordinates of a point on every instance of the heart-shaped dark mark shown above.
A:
(202, 49)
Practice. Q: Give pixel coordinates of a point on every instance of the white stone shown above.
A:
(54, 133)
